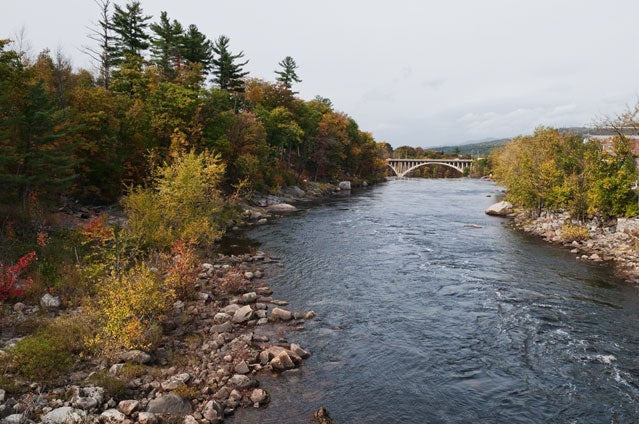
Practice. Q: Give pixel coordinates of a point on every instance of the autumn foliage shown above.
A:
(12, 278)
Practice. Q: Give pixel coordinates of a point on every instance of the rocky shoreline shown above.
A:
(208, 363)
(213, 352)
(614, 241)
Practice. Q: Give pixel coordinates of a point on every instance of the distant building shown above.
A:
(606, 135)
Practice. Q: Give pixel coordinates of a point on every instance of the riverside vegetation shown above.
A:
(574, 192)
(102, 316)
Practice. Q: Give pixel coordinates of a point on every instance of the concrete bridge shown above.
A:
(403, 167)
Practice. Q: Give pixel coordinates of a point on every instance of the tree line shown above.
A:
(555, 170)
(163, 87)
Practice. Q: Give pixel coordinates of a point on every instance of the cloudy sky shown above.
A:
(412, 72)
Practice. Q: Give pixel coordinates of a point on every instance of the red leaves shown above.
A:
(11, 286)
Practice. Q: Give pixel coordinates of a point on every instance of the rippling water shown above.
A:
(423, 318)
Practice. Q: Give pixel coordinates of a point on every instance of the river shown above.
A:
(429, 311)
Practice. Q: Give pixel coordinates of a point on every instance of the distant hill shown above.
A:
(479, 148)
(483, 147)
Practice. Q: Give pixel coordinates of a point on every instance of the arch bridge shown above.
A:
(403, 167)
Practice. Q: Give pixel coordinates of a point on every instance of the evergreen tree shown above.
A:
(35, 135)
(228, 73)
(166, 46)
(197, 48)
(288, 75)
(130, 26)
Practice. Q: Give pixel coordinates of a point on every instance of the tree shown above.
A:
(288, 75)
(197, 48)
(101, 34)
(35, 135)
(228, 73)
(130, 26)
(167, 46)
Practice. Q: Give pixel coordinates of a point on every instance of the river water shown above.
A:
(429, 311)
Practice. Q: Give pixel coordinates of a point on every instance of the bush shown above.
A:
(181, 270)
(48, 353)
(39, 357)
(11, 284)
(570, 233)
(182, 203)
(130, 307)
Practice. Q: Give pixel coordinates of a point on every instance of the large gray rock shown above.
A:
(175, 381)
(500, 209)
(345, 185)
(129, 406)
(239, 381)
(281, 208)
(112, 416)
(292, 191)
(63, 415)
(147, 418)
(136, 356)
(170, 404)
(281, 314)
(213, 411)
(245, 313)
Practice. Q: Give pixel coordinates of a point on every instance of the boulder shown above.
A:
(170, 404)
(245, 313)
(242, 368)
(281, 314)
(147, 418)
(239, 381)
(112, 416)
(259, 396)
(13, 419)
(175, 381)
(136, 356)
(213, 411)
(500, 209)
(227, 327)
(49, 301)
(127, 407)
(299, 351)
(292, 191)
(281, 208)
(344, 185)
(63, 415)
(282, 362)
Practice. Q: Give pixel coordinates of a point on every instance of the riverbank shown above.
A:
(615, 241)
(208, 363)
(211, 356)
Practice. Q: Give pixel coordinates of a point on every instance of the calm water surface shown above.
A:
(424, 319)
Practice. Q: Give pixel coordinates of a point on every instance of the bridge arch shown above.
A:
(403, 167)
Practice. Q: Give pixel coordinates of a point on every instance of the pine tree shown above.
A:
(35, 135)
(228, 73)
(288, 75)
(167, 46)
(130, 27)
(197, 48)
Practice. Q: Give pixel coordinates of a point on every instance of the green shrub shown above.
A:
(39, 357)
(48, 353)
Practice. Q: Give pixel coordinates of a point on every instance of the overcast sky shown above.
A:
(412, 72)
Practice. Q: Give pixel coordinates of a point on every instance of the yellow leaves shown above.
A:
(130, 305)
(182, 204)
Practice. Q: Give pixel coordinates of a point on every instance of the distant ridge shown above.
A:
(485, 146)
